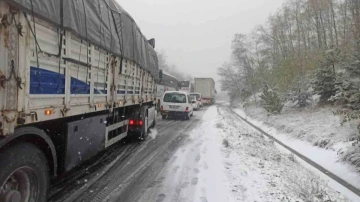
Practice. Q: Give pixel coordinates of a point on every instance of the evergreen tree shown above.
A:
(271, 101)
(325, 76)
(348, 83)
(324, 84)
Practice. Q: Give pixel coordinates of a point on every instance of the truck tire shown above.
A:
(24, 174)
(144, 131)
(154, 123)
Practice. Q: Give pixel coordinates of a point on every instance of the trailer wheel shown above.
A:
(24, 174)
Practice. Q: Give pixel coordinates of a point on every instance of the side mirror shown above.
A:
(152, 42)
(160, 74)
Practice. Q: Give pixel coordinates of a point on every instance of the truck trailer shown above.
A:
(75, 78)
(205, 86)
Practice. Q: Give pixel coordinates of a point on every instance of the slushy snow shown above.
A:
(224, 159)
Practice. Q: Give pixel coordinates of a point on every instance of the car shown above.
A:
(198, 99)
(176, 104)
(194, 103)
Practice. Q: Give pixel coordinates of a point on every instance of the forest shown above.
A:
(306, 48)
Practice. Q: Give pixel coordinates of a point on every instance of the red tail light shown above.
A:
(135, 123)
(131, 122)
(187, 109)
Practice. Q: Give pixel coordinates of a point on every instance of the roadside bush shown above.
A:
(219, 125)
(302, 99)
(271, 101)
(226, 143)
(311, 190)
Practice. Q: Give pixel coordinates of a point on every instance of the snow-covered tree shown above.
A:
(325, 76)
(271, 101)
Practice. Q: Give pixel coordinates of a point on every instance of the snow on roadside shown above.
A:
(318, 126)
(223, 160)
(259, 171)
(328, 158)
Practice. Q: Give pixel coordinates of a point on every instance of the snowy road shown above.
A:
(214, 157)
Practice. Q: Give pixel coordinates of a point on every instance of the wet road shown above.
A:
(216, 156)
(123, 171)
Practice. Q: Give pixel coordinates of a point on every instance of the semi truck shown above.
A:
(75, 78)
(167, 83)
(206, 87)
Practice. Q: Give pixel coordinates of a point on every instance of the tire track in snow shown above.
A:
(68, 189)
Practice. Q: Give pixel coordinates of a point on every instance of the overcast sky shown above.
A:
(196, 34)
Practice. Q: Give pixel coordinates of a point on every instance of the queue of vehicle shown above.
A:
(75, 78)
(183, 103)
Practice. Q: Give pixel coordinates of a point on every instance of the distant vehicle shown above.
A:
(198, 98)
(176, 104)
(194, 102)
(186, 86)
(206, 86)
(167, 83)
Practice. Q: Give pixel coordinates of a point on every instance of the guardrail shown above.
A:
(307, 160)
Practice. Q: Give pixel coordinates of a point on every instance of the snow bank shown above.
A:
(318, 126)
(305, 144)
(261, 172)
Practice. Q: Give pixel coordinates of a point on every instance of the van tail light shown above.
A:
(140, 123)
(162, 108)
(187, 109)
(131, 122)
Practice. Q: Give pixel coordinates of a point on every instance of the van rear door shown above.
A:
(175, 101)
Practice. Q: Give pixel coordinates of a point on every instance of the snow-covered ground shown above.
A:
(304, 131)
(313, 124)
(224, 159)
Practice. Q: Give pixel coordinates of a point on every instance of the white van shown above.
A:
(176, 104)
(198, 97)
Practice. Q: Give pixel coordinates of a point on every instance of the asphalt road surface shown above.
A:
(214, 157)
(127, 168)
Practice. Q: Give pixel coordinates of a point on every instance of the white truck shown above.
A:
(206, 87)
(75, 78)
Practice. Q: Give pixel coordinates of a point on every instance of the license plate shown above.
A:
(173, 107)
